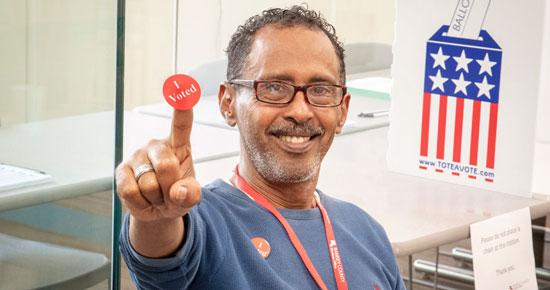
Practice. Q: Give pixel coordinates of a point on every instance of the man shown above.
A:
(267, 227)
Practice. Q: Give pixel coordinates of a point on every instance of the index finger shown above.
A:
(182, 122)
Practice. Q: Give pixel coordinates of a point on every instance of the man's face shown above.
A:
(286, 143)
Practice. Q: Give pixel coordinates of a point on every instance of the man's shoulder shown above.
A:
(222, 199)
(221, 191)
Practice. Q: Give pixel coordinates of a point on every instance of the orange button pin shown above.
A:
(262, 246)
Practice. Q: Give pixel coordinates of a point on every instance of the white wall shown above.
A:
(13, 24)
(205, 28)
(149, 49)
(57, 58)
(543, 117)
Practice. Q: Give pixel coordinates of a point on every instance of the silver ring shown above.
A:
(142, 169)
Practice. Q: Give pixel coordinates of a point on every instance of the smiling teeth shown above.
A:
(294, 139)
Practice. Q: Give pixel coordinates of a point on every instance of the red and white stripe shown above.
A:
(458, 130)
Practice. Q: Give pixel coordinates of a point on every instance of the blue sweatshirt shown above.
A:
(218, 252)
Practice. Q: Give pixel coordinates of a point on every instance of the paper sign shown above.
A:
(463, 109)
(502, 249)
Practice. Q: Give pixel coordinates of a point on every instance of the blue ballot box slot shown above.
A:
(485, 40)
(465, 68)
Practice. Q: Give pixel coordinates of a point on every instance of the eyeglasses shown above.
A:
(280, 92)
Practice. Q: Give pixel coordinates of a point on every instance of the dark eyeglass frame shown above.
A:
(254, 85)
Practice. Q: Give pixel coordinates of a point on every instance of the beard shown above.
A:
(270, 166)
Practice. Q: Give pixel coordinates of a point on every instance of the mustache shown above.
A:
(295, 129)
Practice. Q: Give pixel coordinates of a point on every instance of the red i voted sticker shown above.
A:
(181, 91)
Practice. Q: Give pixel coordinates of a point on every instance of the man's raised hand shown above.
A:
(170, 190)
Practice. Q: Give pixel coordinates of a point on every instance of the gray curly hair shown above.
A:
(241, 42)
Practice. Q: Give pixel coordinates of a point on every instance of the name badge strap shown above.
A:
(334, 252)
(333, 248)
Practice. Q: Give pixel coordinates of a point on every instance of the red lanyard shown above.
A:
(337, 266)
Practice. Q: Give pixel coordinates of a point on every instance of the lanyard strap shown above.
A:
(337, 266)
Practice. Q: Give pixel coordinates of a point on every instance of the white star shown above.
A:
(484, 88)
(439, 58)
(486, 65)
(461, 84)
(462, 61)
(438, 81)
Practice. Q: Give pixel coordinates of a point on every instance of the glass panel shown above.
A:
(203, 31)
(57, 100)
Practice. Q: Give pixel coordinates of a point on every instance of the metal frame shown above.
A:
(119, 134)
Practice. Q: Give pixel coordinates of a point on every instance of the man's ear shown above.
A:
(344, 108)
(226, 99)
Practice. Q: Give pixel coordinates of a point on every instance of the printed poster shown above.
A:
(465, 88)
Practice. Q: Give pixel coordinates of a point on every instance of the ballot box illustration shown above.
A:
(460, 106)
(466, 78)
